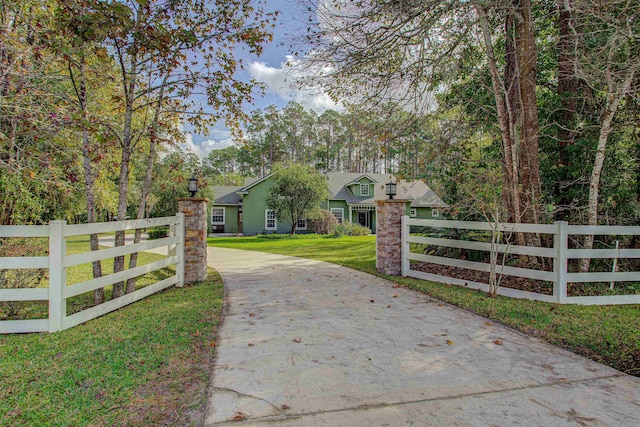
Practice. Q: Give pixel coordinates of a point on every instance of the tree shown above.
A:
(168, 51)
(296, 193)
(408, 51)
(608, 58)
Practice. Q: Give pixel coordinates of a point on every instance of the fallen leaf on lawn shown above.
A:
(298, 340)
(250, 344)
(252, 315)
(497, 342)
(196, 334)
(240, 417)
(212, 343)
(450, 342)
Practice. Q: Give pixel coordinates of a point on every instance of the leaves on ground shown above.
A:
(239, 417)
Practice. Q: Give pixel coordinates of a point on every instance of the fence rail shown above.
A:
(58, 261)
(559, 254)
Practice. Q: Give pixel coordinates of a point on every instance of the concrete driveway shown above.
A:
(307, 343)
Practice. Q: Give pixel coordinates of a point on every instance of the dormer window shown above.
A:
(364, 189)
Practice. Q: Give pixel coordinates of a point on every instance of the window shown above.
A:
(413, 212)
(270, 220)
(338, 213)
(364, 189)
(435, 213)
(301, 224)
(217, 216)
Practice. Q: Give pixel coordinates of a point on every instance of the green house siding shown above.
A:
(338, 204)
(424, 213)
(230, 220)
(356, 188)
(253, 209)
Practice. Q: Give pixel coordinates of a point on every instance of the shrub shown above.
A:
(324, 223)
(157, 232)
(350, 229)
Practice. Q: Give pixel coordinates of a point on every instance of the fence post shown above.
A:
(405, 246)
(57, 275)
(561, 244)
(180, 250)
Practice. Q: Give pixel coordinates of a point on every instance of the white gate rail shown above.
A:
(58, 261)
(559, 253)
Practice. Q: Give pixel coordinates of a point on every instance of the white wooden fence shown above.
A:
(58, 261)
(560, 253)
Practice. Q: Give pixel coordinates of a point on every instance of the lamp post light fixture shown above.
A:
(193, 186)
(391, 189)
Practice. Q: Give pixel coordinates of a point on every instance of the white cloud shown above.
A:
(282, 82)
(222, 139)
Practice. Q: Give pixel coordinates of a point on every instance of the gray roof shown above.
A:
(226, 195)
(417, 192)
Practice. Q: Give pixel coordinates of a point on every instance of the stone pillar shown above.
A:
(389, 235)
(195, 238)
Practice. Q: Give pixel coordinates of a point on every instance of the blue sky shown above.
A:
(270, 69)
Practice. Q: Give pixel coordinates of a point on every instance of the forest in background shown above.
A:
(94, 94)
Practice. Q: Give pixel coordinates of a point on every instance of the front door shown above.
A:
(364, 219)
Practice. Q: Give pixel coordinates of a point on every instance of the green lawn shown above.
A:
(607, 334)
(145, 364)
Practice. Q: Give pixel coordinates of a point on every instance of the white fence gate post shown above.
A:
(57, 275)
(561, 244)
(405, 246)
(180, 250)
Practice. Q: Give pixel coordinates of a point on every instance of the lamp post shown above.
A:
(193, 186)
(391, 189)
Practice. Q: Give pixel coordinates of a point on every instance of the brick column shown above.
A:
(389, 235)
(195, 238)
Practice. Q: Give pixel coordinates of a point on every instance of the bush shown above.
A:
(157, 232)
(324, 223)
(350, 229)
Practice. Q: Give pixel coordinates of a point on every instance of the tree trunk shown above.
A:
(614, 96)
(89, 177)
(511, 195)
(567, 92)
(529, 166)
(118, 262)
(146, 185)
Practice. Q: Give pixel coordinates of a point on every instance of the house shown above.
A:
(352, 198)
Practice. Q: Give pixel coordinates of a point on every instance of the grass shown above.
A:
(607, 334)
(145, 364)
